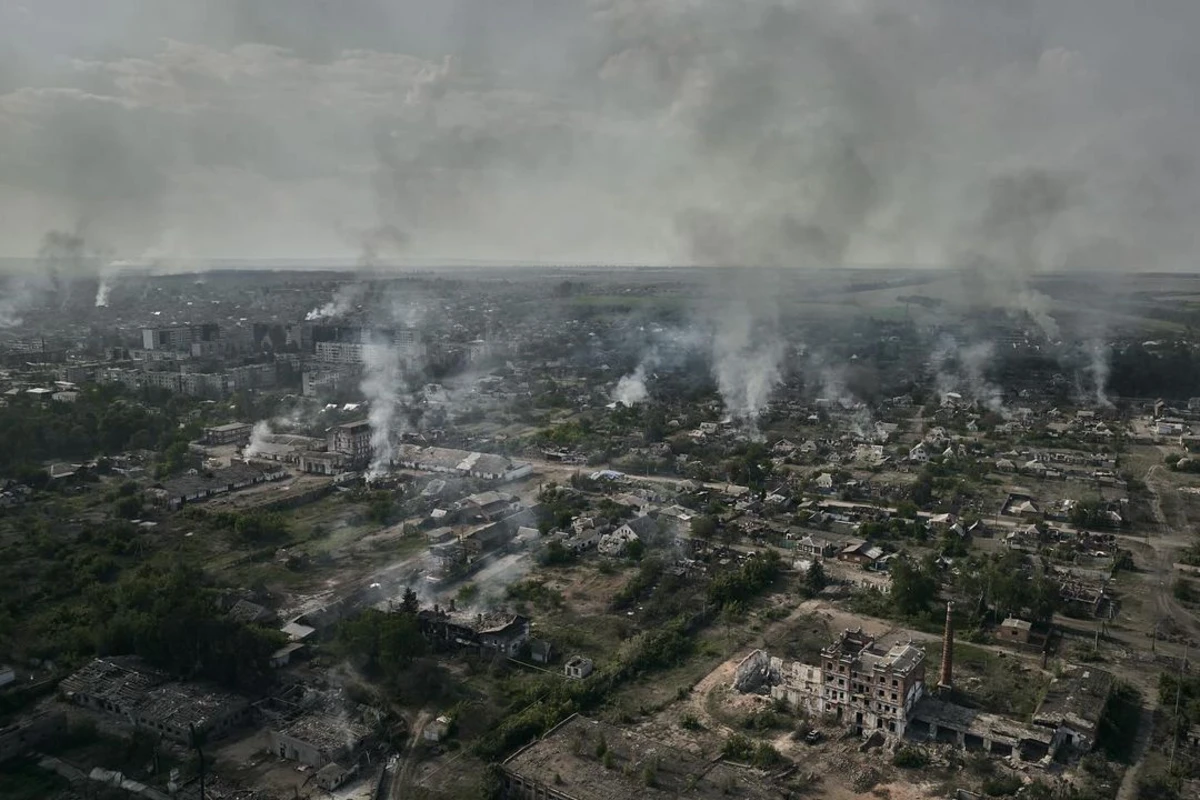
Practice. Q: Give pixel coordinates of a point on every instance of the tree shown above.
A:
(380, 508)
(128, 507)
(913, 587)
(704, 527)
(410, 604)
(814, 579)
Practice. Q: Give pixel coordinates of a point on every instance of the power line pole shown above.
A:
(1175, 717)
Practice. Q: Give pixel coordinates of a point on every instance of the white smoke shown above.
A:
(944, 382)
(15, 299)
(631, 389)
(974, 360)
(381, 385)
(747, 360)
(1100, 370)
(102, 292)
(258, 434)
(342, 303)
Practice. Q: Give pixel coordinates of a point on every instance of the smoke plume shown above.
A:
(258, 434)
(747, 360)
(1007, 138)
(342, 303)
(631, 389)
(382, 385)
(1099, 368)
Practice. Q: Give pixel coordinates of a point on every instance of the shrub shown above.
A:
(910, 758)
(1002, 785)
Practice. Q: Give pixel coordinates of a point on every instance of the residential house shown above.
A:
(1014, 631)
(919, 453)
(815, 547)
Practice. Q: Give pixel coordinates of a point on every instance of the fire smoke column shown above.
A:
(1100, 371)
(631, 389)
(258, 434)
(381, 386)
(946, 675)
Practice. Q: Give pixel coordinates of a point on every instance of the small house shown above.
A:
(1014, 631)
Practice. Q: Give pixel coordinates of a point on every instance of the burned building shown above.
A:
(1073, 706)
(498, 631)
(353, 440)
(563, 765)
(127, 690)
(870, 687)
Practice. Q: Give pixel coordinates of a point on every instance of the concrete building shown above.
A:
(352, 439)
(578, 667)
(1014, 631)
(870, 688)
(318, 737)
(179, 338)
(1073, 706)
(232, 433)
(322, 463)
(497, 631)
(126, 690)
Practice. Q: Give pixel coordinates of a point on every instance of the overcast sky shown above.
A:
(1041, 133)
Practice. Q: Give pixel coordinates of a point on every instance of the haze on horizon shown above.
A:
(1031, 134)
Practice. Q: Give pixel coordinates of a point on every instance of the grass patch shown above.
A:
(25, 780)
(992, 683)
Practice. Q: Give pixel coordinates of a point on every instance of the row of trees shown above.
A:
(1002, 584)
(172, 618)
(102, 420)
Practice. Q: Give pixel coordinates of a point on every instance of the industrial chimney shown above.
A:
(946, 677)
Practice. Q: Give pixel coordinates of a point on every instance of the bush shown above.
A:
(1002, 785)
(910, 758)
(744, 750)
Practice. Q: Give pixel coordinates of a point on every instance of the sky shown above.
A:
(1036, 134)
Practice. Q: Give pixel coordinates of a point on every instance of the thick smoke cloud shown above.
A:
(1004, 138)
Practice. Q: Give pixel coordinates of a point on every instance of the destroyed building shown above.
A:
(873, 688)
(321, 729)
(1073, 706)
(858, 681)
(125, 689)
(497, 631)
(585, 759)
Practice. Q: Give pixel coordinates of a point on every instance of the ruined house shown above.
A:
(497, 631)
(127, 690)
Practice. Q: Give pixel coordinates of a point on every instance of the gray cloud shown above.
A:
(1027, 136)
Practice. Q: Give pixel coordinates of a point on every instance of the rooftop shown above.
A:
(327, 730)
(143, 692)
(1076, 699)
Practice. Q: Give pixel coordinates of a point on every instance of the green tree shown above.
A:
(410, 604)
(913, 587)
(814, 579)
(704, 526)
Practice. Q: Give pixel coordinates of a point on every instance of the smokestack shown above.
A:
(946, 677)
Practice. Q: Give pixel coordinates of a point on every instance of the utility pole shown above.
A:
(1175, 717)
